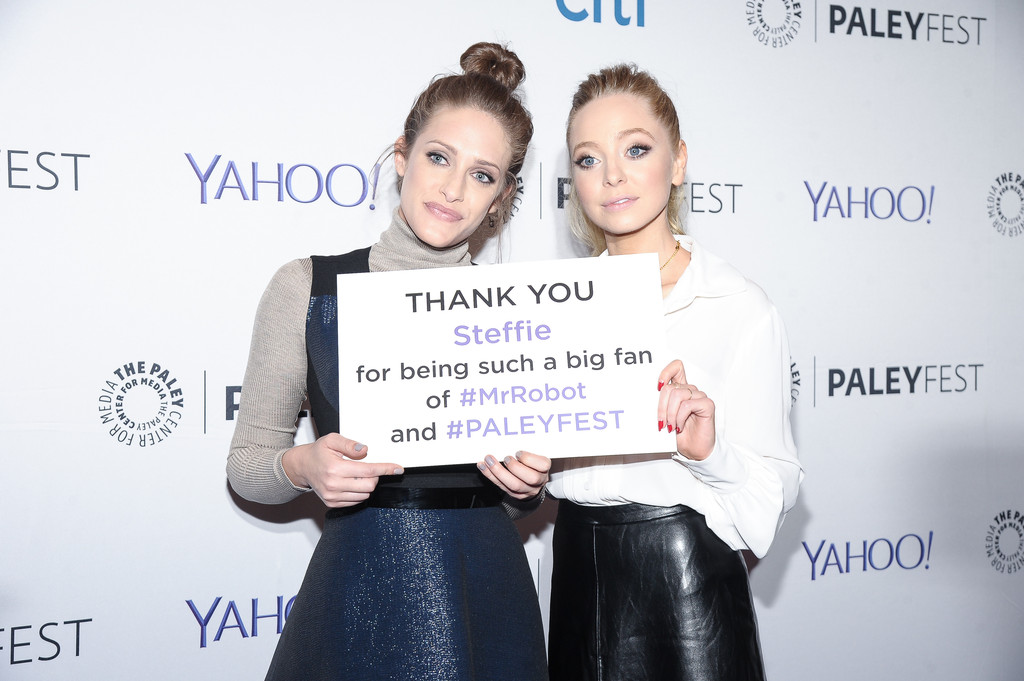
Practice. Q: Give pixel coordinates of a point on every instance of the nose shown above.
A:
(453, 188)
(613, 173)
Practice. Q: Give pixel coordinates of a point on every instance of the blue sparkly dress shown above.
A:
(407, 587)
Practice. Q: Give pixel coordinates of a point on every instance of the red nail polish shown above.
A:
(661, 424)
(661, 384)
(678, 430)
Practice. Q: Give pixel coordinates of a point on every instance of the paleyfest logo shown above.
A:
(141, 404)
(1004, 542)
(774, 23)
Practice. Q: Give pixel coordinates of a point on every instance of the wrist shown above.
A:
(291, 462)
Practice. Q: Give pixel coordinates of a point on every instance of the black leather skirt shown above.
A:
(648, 593)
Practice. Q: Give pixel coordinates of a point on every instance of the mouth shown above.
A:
(442, 213)
(619, 203)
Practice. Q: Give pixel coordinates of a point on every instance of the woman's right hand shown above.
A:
(330, 467)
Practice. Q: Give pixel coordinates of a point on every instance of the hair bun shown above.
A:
(496, 61)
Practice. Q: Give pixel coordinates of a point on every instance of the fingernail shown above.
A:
(481, 467)
(661, 384)
(508, 460)
(490, 460)
(360, 446)
(678, 430)
(661, 424)
(399, 471)
(519, 454)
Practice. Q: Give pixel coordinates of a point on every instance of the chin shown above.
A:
(436, 240)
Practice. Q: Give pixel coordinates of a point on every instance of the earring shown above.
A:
(490, 218)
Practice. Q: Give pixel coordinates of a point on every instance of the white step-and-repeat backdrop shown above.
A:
(863, 161)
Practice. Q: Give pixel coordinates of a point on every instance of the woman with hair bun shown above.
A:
(419, 573)
(648, 583)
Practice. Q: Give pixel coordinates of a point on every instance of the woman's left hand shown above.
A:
(684, 408)
(522, 476)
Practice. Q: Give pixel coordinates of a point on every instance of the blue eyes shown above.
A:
(634, 152)
(439, 159)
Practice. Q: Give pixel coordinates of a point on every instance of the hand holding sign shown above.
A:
(521, 476)
(331, 468)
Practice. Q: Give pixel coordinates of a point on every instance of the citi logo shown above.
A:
(595, 15)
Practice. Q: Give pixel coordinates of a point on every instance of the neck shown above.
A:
(645, 241)
(400, 249)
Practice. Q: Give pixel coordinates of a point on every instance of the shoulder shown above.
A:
(297, 272)
(353, 261)
(718, 278)
(289, 287)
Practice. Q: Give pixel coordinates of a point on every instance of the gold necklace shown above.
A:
(670, 257)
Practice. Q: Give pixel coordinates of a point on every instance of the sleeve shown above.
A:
(273, 389)
(517, 509)
(753, 472)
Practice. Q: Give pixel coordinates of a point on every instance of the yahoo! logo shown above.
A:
(232, 618)
(909, 552)
(344, 184)
(881, 203)
(620, 18)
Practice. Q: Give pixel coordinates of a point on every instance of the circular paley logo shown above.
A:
(1004, 542)
(140, 403)
(1005, 204)
(794, 376)
(774, 23)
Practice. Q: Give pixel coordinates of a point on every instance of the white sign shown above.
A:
(560, 358)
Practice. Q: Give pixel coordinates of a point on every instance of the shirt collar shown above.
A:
(707, 276)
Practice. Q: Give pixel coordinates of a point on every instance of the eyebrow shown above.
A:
(454, 152)
(620, 135)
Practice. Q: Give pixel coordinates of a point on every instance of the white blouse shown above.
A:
(733, 346)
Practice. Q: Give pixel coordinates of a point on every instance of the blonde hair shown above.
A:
(623, 79)
(491, 75)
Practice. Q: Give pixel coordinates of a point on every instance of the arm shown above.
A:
(749, 464)
(264, 465)
(273, 390)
